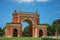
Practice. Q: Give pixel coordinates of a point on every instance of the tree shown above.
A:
(49, 29)
(56, 25)
(26, 31)
(2, 31)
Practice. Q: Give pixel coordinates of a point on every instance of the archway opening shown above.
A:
(15, 33)
(27, 27)
(40, 33)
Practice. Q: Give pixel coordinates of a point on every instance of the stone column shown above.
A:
(20, 29)
(7, 31)
(35, 31)
(18, 19)
(11, 31)
(45, 32)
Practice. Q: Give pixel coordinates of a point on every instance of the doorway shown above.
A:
(15, 33)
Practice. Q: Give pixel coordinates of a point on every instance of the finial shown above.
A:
(36, 11)
(15, 11)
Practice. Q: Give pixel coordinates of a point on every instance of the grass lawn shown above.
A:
(30, 38)
(19, 38)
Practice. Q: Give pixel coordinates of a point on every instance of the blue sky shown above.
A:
(49, 10)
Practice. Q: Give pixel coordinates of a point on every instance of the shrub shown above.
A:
(49, 38)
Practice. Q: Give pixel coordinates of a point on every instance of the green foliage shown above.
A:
(56, 22)
(2, 31)
(56, 25)
(48, 38)
(49, 29)
(26, 32)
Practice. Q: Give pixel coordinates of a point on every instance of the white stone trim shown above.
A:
(35, 36)
(9, 36)
(29, 19)
(18, 35)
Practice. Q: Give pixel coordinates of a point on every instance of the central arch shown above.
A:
(30, 22)
(28, 19)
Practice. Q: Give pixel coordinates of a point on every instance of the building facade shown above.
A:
(14, 29)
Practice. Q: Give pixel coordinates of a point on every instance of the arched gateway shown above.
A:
(14, 29)
(15, 33)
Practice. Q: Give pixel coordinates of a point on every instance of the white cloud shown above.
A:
(24, 1)
(42, 0)
(29, 1)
